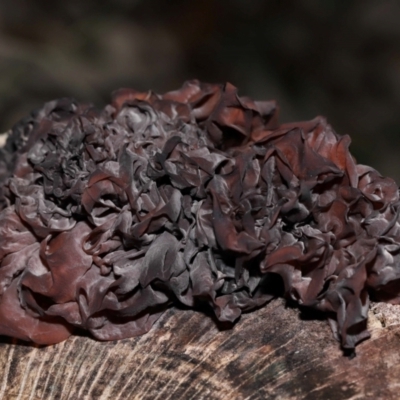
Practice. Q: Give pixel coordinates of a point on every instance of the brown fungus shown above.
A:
(197, 196)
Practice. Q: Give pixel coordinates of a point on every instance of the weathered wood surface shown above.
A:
(271, 354)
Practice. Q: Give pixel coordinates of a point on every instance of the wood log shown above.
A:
(272, 353)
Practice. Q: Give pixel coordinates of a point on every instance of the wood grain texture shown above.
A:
(272, 353)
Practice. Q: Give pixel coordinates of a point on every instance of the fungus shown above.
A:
(199, 196)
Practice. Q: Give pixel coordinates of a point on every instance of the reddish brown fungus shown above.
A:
(197, 196)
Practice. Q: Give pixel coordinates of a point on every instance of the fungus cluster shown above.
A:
(108, 217)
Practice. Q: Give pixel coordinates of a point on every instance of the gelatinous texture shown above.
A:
(197, 196)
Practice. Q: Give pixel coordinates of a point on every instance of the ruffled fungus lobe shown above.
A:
(197, 196)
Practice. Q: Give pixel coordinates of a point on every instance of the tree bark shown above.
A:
(272, 353)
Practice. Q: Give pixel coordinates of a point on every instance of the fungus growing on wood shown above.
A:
(196, 196)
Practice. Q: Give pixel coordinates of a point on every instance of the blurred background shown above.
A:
(337, 58)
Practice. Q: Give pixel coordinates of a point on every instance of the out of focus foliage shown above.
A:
(338, 58)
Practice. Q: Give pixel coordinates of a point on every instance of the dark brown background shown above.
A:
(338, 58)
